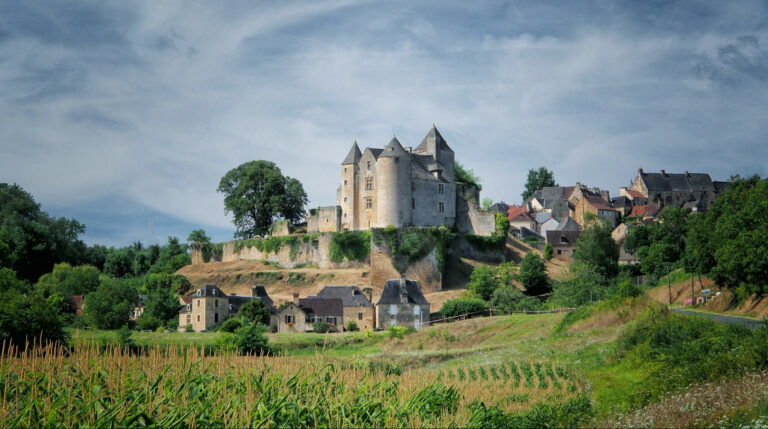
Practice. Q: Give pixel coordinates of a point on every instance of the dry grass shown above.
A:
(699, 405)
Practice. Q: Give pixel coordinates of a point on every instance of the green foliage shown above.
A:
(571, 413)
(596, 247)
(28, 316)
(408, 245)
(485, 279)
(572, 317)
(678, 350)
(584, 286)
(230, 324)
(350, 246)
(66, 281)
(320, 327)
(400, 331)
(124, 337)
(171, 258)
(163, 305)
(251, 338)
(257, 194)
(110, 306)
(464, 176)
(352, 326)
(548, 252)
(208, 250)
(659, 245)
(31, 240)
(533, 275)
(508, 298)
(146, 322)
(255, 310)
(538, 179)
(166, 282)
(459, 306)
(487, 203)
(502, 225)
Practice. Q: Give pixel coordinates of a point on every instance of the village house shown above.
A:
(598, 207)
(563, 238)
(402, 304)
(209, 306)
(523, 220)
(357, 307)
(291, 318)
(138, 308)
(299, 316)
(678, 189)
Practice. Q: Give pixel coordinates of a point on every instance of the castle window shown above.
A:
(198, 303)
(345, 183)
(359, 316)
(345, 169)
(215, 317)
(369, 183)
(345, 199)
(413, 203)
(369, 165)
(441, 207)
(397, 160)
(369, 203)
(440, 188)
(198, 317)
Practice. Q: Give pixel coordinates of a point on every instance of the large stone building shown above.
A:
(692, 190)
(209, 306)
(398, 186)
(402, 304)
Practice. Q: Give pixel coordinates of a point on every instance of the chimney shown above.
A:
(295, 297)
(409, 149)
(663, 173)
(403, 291)
(687, 174)
(639, 171)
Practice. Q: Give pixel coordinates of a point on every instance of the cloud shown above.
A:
(150, 103)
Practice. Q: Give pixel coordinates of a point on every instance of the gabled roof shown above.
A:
(514, 210)
(542, 217)
(501, 207)
(351, 296)
(439, 140)
(420, 168)
(597, 202)
(322, 306)
(554, 237)
(550, 194)
(647, 210)
(353, 156)
(635, 194)
(393, 149)
(568, 224)
(375, 152)
(675, 182)
(261, 292)
(522, 217)
(621, 201)
(391, 293)
(209, 290)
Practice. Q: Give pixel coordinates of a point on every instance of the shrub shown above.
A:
(255, 311)
(231, 324)
(533, 275)
(250, 338)
(188, 328)
(508, 298)
(148, 323)
(400, 331)
(352, 326)
(548, 251)
(320, 327)
(459, 306)
(350, 246)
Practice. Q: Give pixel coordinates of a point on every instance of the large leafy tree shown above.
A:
(596, 248)
(110, 306)
(34, 241)
(533, 275)
(256, 311)
(660, 245)
(536, 180)
(257, 194)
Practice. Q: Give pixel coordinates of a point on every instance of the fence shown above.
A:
(493, 312)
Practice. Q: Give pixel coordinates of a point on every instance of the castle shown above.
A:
(402, 187)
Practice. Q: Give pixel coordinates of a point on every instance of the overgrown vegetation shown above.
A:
(408, 245)
(350, 246)
(465, 176)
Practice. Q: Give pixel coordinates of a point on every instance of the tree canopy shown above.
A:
(596, 248)
(255, 311)
(536, 180)
(257, 194)
(466, 176)
(533, 275)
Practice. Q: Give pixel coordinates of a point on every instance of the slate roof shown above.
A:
(621, 201)
(598, 202)
(322, 306)
(554, 237)
(374, 151)
(351, 296)
(434, 133)
(550, 194)
(542, 217)
(209, 290)
(353, 156)
(500, 207)
(261, 292)
(567, 224)
(391, 293)
(675, 182)
(420, 168)
(393, 149)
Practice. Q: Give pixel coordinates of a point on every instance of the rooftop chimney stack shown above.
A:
(295, 297)
(639, 171)
(664, 173)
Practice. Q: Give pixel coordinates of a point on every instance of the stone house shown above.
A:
(545, 198)
(138, 308)
(209, 306)
(357, 307)
(291, 318)
(675, 189)
(523, 220)
(563, 238)
(636, 197)
(402, 304)
(598, 207)
(328, 310)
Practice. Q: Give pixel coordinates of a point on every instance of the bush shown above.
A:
(188, 328)
(251, 339)
(459, 306)
(533, 275)
(508, 298)
(400, 331)
(255, 310)
(352, 326)
(350, 246)
(172, 325)
(548, 251)
(320, 327)
(148, 323)
(231, 324)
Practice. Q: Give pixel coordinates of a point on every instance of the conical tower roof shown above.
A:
(440, 142)
(353, 156)
(393, 149)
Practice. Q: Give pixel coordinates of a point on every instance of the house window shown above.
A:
(331, 320)
(198, 303)
(215, 302)
(369, 183)
(440, 188)
(198, 317)
(441, 207)
(369, 165)
(563, 240)
(359, 316)
(345, 183)
(559, 252)
(215, 317)
(397, 160)
(369, 203)
(345, 199)
(289, 318)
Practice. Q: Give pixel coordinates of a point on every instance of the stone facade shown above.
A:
(208, 307)
(357, 307)
(402, 304)
(291, 319)
(675, 190)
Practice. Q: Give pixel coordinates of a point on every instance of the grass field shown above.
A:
(614, 364)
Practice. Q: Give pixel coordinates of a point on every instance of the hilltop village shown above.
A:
(405, 216)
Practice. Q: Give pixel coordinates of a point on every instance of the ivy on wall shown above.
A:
(350, 246)
(274, 244)
(407, 245)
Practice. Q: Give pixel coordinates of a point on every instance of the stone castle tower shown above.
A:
(398, 185)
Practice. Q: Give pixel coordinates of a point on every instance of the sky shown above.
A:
(125, 115)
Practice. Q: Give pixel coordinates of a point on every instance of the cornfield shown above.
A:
(91, 386)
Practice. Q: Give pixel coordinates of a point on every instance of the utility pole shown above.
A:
(669, 284)
(693, 295)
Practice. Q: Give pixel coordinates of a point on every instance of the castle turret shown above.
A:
(435, 146)
(393, 171)
(347, 199)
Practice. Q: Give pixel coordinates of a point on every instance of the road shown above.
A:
(747, 323)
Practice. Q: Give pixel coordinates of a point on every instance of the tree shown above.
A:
(538, 179)
(175, 283)
(256, 311)
(508, 298)
(459, 306)
(198, 236)
(29, 318)
(171, 258)
(67, 281)
(585, 286)
(596, 247)
(257, 194)
(110, 306)
(533, 275)
(660, 245)
(162, 305)
(34, 241)
(548, 251)
(487, 203)
(465, 176)
(485, 279)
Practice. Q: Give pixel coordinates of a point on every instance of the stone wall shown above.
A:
(425, 270)
(462, 248)
(366, 323)
(469, 218)
(324, 219)
(305, 254)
